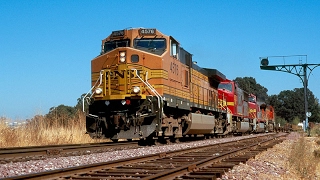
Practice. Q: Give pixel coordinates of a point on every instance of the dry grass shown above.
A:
(315, 131)
(303, 160)
(37, 132)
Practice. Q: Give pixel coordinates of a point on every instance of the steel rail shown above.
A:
(194, 167)
(35, 152)
(93, 170)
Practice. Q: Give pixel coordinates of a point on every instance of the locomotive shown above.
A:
(146, 86)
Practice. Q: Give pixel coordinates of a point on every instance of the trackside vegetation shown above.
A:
(305, 156)
(42, 130)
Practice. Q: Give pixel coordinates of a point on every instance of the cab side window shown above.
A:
(174, 48)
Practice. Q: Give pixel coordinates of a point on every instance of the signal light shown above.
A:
(128, 102)
(264, 62)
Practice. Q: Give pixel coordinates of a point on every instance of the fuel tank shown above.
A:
(243, 127)
(200, 124)
(260, 127)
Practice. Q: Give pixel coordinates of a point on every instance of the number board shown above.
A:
(147, 32)
(117, 33)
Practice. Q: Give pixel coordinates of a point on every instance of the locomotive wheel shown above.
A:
(149, 141)
(174, 140)
(157, 142)
(168, 141)
(160, 140)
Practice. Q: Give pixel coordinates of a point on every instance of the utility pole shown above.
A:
(299, 70)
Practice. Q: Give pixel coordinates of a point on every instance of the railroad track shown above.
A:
(19, 154)
(206, 162)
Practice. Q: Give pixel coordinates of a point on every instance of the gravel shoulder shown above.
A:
(275, 163)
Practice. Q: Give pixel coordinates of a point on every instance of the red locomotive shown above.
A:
(247, 115)
(145, 85)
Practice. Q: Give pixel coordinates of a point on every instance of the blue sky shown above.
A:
(47, 46)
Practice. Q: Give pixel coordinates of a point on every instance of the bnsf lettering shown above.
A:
(120, 74)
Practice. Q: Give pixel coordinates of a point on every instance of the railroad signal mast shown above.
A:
(299, 70)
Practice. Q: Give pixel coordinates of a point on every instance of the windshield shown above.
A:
(155, 46)
(110, 45)
(252, 99)
(227, 86)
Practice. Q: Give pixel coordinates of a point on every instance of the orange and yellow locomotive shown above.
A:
(145, 85)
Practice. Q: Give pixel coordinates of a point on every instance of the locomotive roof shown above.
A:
(214, 73)
(135, 32)
(211, 73)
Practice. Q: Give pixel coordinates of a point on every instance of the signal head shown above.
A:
(264, 62)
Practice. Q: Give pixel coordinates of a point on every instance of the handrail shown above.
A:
(85, 96)
(149, 86)
(156, 92)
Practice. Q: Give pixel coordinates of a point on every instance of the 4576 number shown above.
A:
(174, 68)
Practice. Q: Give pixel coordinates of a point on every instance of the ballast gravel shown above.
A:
(34, 166)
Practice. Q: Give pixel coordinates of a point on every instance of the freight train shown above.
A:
(146, 86)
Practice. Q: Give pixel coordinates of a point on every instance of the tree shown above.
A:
(296, 120)
(290, 105)
(250, 85)
(61, 115)
(280, 121)
(79, 105)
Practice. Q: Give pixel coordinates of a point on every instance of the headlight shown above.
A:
(136, 89)
(122, 59)
(98, 91)
(122, 56)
